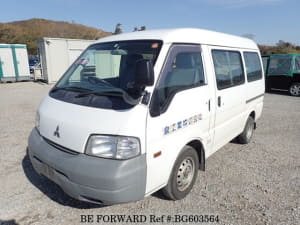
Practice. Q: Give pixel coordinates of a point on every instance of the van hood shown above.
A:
(70, 125)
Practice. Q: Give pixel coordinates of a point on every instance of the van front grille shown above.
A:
(61, 148)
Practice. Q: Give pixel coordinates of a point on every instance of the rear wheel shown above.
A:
(246, 135)
(294, 89)
(183, 175)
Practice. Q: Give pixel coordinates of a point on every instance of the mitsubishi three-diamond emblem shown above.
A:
(56, 132)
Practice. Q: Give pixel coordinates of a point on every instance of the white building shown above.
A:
(14, 62)
(57, 54)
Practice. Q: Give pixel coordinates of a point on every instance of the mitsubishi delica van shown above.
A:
(141, 112)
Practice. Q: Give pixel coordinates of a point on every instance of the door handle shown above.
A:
(219, 101)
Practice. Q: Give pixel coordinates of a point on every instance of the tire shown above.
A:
(183, 175)
(294, 89)
(246, 135)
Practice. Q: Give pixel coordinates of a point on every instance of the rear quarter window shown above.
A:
(253, 66)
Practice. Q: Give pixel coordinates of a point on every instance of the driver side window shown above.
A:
(182, 70)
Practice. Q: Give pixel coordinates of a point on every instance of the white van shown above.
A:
(142, 111)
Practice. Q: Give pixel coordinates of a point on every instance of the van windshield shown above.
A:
(106, 71)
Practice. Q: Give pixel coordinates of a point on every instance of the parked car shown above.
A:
(33, 63)
(140, 112)
(283, 72)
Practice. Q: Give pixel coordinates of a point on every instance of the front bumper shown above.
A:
(89, 178)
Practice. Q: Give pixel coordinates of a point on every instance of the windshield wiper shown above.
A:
(71, 88)
(114, 92)
(108, 92)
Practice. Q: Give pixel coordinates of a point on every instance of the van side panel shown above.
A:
(230, 103)
(222, 122)
(255, 93)
(184, 108)
(187, 118)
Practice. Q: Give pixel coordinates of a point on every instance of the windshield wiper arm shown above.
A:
(111, 92)
(72, 88)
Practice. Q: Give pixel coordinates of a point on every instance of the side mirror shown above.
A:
(144, 73)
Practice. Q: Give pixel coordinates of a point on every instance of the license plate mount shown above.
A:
(48, 172)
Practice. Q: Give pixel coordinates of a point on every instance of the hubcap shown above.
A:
(295, 89)
(185, 173)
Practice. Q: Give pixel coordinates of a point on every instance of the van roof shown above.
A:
(186, 35)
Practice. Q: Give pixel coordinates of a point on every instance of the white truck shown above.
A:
(142, 111)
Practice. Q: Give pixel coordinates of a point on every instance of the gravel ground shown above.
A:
(258, 183)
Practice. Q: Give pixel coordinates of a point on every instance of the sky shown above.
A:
(266, 20)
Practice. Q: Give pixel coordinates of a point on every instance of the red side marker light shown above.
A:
(157, 154)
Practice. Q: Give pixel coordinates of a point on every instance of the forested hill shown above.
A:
(281, 47)
(28, 31)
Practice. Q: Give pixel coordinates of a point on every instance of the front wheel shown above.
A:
(294, 89)
(183, 175)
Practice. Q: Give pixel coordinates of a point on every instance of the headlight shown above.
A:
(37, 120)
(115, 147)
